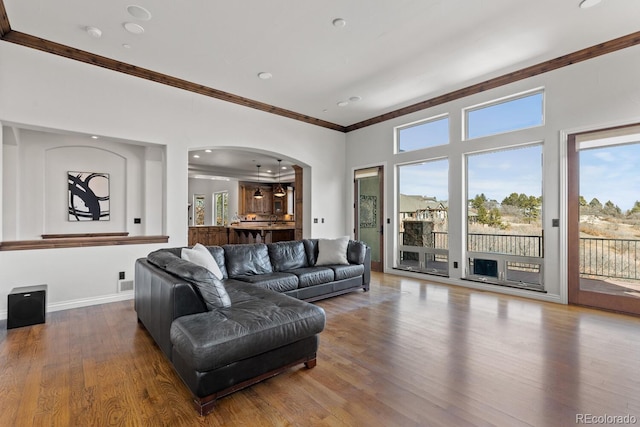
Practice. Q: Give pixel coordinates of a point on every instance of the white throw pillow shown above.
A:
(332, 251)
(201, 256)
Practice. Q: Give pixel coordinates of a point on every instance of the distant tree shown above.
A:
(611, 209)
(635, 209)
(595, 203)
(487, 211)
(478, 201)
(511, 200)
(494, 218)
(531, 207)
(582, 201)
(483, 215)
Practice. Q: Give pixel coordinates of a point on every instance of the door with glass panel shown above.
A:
(604, 219)
(369, 205)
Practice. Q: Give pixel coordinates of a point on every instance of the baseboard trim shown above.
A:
(83, 302)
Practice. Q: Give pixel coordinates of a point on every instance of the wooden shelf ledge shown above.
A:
(76, 235)
(81, 241)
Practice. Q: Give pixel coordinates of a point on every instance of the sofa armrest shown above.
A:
(366, 277)
(161, 297)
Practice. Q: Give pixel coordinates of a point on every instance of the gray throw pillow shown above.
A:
(200, 255)
(332, 251)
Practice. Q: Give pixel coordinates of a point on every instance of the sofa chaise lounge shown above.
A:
(228, 329)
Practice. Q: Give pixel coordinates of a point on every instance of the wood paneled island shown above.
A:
(261, 233)
(240, 233)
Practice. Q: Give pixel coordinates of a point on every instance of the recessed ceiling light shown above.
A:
(207, 150)
(343, 103)
(264, 75)
(283, 168)
(269, 171)
(355, 98)
(133, 28)
(195, 156)
(584, 4)
(339, 23)
(94, 137)
(139, 12)
(93, 32)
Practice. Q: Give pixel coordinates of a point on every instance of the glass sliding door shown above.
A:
(423, 222)
(604, 219)
(369, 211)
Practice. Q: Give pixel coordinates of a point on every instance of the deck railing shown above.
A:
(510, 244)
(610, 258)
(615, 258)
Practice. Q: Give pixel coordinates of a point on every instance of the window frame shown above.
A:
(225, 215)
(432, 119)
(498, 101)
(503, 259)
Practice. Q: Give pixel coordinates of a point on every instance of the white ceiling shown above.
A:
(239, 164)
(391, 53)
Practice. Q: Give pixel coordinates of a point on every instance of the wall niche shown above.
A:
(35, 185)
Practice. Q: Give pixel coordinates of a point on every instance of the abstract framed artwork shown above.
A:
(88, 196)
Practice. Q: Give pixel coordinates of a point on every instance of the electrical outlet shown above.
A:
(315, 220)
(323, 220)
(455, 264)
(137, 220)
(121, 275)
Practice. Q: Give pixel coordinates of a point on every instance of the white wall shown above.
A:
(35, 184)
(47, 91)
(601, 92)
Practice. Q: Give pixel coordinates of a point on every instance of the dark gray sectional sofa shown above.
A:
(261, 327)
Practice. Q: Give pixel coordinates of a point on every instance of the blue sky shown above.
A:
(425, 179)
(496, 174)
(607, 173)
(611, 173)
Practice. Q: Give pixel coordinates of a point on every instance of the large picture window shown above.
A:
(423, 217)
(504, 216)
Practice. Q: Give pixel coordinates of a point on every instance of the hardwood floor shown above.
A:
(408, 352)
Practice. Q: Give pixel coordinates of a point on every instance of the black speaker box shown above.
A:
(485, 267)
(26, 306)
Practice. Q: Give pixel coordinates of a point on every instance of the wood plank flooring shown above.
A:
(407, 353)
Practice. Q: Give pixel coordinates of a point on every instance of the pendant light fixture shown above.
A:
(279, 191)
(258, 193)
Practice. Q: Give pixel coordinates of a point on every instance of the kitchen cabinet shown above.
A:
(279, 205)
(208, 235)
(251, 205)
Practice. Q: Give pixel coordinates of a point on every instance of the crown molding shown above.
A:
(4, 20)
(524, 73)
(132, 70)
